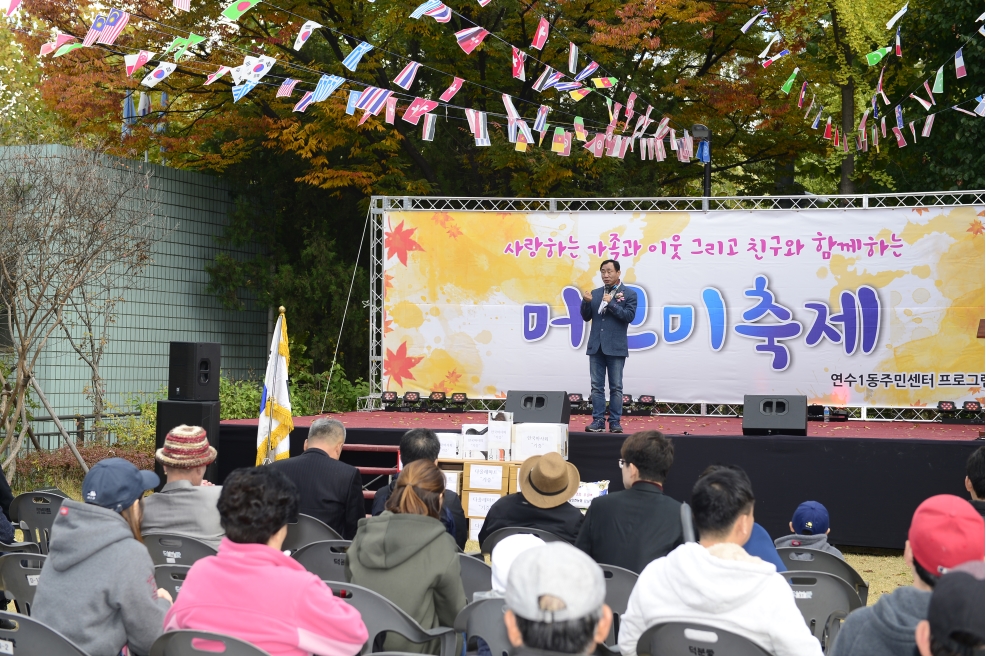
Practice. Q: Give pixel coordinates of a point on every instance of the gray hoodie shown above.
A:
(97, 585)
(819, 542)
(884, 629)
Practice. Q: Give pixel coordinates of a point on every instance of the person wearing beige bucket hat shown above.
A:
(546, 483)
(187, 504)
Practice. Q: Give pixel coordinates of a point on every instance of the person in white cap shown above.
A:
(502, 557)
(556, 602)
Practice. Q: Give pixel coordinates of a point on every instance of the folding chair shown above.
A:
(815, 560)
(29, 637)
(170, 549)
(16, 547)
(170, 577)
(325, 559)
(307, 530)
(619, 585)
(36, 513)
(477, 576)
(197, 643)
(687, 524)
(19, 574)
(494, 538)
(688, 639)
(824, 601)
(381, 616)
(484, 619)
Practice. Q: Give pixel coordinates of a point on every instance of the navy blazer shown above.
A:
(609, 329)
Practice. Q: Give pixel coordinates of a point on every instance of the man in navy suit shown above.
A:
(610, 308)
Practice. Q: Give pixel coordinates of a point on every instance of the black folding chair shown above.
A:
(16, 547)
(325, 559)
(484, 619)
(496, 536)
(476, 575)
(170, 577)
(815, 560)
(824, 601)
(36, 512)
(619, 585)
(19, 574)
(689, 639)
(197, 643)
(307, 530)
(171, 549)
(29, 637)
(381, 616)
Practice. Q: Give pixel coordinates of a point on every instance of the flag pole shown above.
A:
(270, 413)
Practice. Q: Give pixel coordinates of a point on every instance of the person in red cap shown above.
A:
(945, 532)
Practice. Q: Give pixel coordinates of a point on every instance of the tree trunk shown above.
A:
(846, 185)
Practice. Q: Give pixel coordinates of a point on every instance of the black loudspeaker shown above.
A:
(193, 371)
(775, 414)
(539, 407)
(190, 413)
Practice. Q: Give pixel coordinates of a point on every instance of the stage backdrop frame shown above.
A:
(810, 207)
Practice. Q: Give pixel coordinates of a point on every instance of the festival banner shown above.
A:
(874, 307)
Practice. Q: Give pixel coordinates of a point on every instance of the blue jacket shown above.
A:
(609, 329)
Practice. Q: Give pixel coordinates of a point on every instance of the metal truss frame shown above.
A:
(380, 205)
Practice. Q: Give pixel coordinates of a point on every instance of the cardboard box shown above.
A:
(474, 441)
(486, 477)
(451, 444)
(453, 480)
(499, 436)
(512, 485)
(476, 503)
(475, 526)
(589, 491)
(531, 439)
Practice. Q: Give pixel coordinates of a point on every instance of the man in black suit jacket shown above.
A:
(631, 528)
(329, 490)
(423, 444)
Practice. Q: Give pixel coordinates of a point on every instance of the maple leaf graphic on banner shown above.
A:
(454, 232)
(453, 377)
(976, 228)
(398, 364)
(399, 242)
(388, 324)
(388, 281)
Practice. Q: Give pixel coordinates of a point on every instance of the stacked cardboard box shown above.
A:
(482, 484)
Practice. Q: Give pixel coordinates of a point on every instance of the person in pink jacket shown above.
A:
(295, 613)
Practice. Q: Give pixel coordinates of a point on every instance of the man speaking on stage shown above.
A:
(610, 308)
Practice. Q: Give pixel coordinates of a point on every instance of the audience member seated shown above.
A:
(945, 532)
(503, 556)
(186, 505)
(546, 484)
(330, 490)
(555, 602)
(810, 530)
(406, 555)
(6, 496)
(632, 527)
(295, 613)
(955, 614)
(423, 444)
(97, 584)
(974, 476)
(761, 546)
(715, 582)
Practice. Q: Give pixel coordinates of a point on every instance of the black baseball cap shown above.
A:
(116, 483)
(956, 611)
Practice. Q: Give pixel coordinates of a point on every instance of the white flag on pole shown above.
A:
(274, 431)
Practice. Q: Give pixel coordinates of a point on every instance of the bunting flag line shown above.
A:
(215, 76)
(899, 114)
(391, 110)
(964, 111)
(373, 100)
(239, 7)
(927, 90)
(286, 88)
(981, 107)
(579, 126)
(579, 94)
(662, 128)
(405, 78)
(875, 57)
(939, 85)
(901, 141)
(255, 68)
(304, 33)
(426, 6)
(452, 90)
(327, 85)
(628, 110)
(896, 17)
(777, 37)
(552, 80)
(810, 106)
(133, 63)
(897, 50)
(862, 122)
(94, 31)
(801, 96)
(304, 102)
(163, 70)
(914, 136)
(924, 103)
(541, 122)
(746, 27)
(568, 86)
(518, 64)
(181, 44)
(876, 138)
(508, 105)
(790, 82)
(428, 127)
(770, 61)
(183, 5)
(835, 137)
(12, 7)
(60, 40)
(441, 13)
(587, 71)
(352, 59)
(539, 84)
(828, 128)
(883, 126)
(558, 140)
(351, 102)
(604, 82)
(928, 122)
(814, 126)
(661, 154)
(959, 64)
(116, 21)
(541, 35)
(573, 62)
(482, 133)
(241, 90)
(470, 38)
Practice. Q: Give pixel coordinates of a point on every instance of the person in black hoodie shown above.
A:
(423, 444)
(974, 480)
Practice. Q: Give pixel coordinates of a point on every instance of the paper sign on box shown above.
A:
(473, 445)
(532, 439)
(477, 504)
(486, 477)
(450, 445)
(499, 435)
(452, 480)
(587, 492)
(475, 526)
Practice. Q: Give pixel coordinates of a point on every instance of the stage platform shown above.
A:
(870, 475)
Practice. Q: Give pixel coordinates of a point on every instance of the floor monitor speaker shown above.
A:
(775, 414)
(539, 407)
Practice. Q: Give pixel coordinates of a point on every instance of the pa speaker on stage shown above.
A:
(190, 413)
(193, 371)
(539, 407)
(775, 415)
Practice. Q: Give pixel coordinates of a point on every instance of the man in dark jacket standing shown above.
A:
(423, 444)
(329, 490)
(610, 308)
(631, 528)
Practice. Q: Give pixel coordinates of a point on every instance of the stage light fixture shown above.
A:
(459, 398)
(627, 400)
(946, 406)
(647, 400)
(389, 399)
(437, 397)
(411, 400)
(972, 406)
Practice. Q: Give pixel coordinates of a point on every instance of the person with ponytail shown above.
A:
(406, 555)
